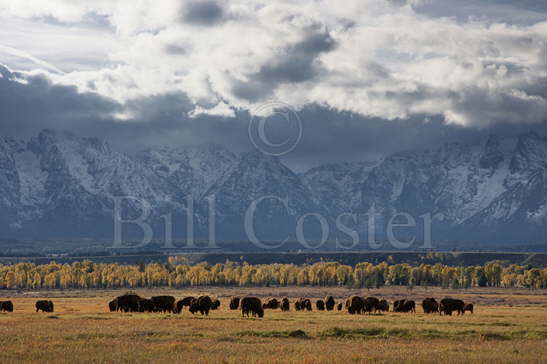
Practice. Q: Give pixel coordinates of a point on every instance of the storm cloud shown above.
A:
(34, 103)
(366, 77)
(202, 13)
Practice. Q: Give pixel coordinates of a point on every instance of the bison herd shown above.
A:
(42, 305)
(135, 303)
(354, 305)
(253, 306)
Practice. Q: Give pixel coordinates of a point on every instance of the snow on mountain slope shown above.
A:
(191, 170)
(9, 179)
(257, 175)
(456, 180)
(62, 183)
(336, 186)
(280, 196)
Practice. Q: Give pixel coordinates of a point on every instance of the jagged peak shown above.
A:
(256, 156)
(491, 156)
(531, 140)
(47, 138)
(342, 167)
(492, 142)
(532, 134)
(189, 149)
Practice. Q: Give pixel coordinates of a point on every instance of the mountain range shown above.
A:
(60, 185)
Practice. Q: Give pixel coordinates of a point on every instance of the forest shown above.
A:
(91, 275)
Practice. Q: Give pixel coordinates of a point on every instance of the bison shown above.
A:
(355, 304)
(404, 306)
(234, 303)
(251, 305)
(408, 306)
(384, 306)
(186, 301)
(468, 307)
(128, 302)
(320, 304)
(203, 304)
(163, 303)
(303, 304)
(193, 306)
(340, 306)
(272, 303)
(113, 305)
(430, 305)
(44, 306)
(146, 305)
(448, 305)
(285, 306)
(372, 304)
(216, 304)
(329, 303)
(6, 306)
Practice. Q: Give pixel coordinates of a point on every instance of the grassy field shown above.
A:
(508, 326)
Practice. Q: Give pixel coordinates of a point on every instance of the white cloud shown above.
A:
(220, 109)
(376, 58)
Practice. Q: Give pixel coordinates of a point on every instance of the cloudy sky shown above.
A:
(365, 77)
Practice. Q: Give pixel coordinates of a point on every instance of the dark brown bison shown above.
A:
(203, 304)
(163, 303)
(320, 304)
(234, 303)
(6, 306)
(193, 306)
(44, 306)
(128, 303)
(216, 304)
(404, 306)
(113, 305)
(185, 302)
(340, 306)
(285, 305)
(329, 303)
(449, 305)
(408, 306)
(384, 306)
(251, 305)
(146, 305)
(430, 305)
(468, 307)
(303, 304)
(372, 304)
(355, 304)
(272, 303)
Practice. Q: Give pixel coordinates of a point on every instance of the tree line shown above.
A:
(90, 275)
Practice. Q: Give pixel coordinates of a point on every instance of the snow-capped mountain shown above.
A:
(493, 190)
(280, 196)
(338, 186)
(62, 185)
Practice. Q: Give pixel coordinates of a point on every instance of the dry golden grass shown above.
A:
(507, 326)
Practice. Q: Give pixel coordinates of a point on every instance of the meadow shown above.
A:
(508, 325)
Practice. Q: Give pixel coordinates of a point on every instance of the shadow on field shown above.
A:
(400, 333)
(300, 334)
